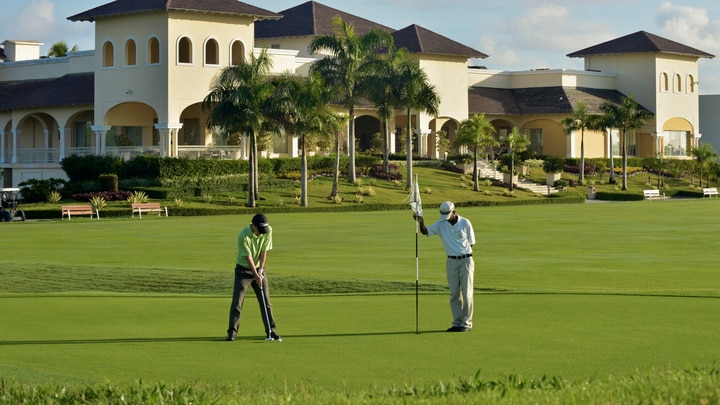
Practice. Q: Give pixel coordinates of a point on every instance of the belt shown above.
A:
(460, 257)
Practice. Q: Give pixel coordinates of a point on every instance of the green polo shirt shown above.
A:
(251, 245)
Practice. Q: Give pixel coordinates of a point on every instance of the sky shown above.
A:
(515, 34)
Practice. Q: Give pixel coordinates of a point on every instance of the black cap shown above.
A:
(261, 223)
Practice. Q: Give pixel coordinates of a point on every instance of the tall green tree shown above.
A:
(579, 120)
(60, 49)
(416, 94)
(703, 155)
(603, 122)
(627, 116)
(381, 88)
(515, 143)
(476, 134)
(303, 111)
(241, 101)
(347, 65)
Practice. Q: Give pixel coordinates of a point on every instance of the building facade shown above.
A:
(140, 90)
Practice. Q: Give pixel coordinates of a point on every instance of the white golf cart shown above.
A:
(9, 205)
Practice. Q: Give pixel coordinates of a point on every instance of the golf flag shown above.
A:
(415, 202)
(416, 206)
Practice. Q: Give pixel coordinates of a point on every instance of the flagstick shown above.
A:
(417, 265)
(417, 275)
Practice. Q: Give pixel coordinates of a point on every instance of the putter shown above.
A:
(267, 317)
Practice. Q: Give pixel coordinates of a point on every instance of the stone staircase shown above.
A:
(486, 170)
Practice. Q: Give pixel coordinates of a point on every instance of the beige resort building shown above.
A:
(140, 90)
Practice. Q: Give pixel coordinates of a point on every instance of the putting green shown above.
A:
(354, 341)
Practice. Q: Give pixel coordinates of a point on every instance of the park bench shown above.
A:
(70, 210)
(653, 194)
(139, 208)
(711, 191)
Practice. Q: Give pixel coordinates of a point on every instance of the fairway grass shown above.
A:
(353, 343)
(582, 292)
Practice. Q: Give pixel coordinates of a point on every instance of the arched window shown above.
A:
(212, 52)
(678, 83)
(237, 53)
(664, 82)
(691, 84)
(130, 53)
(108, 54)
(184, 50)
(153, 51)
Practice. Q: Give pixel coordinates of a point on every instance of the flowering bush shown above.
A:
(121, 195)
(378, 171)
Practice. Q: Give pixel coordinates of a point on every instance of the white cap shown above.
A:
(446, 210)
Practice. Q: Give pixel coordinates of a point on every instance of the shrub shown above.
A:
(106, 195)
(554, 164)
(90, 167)
(54, 197)
(97, 202)
(35, 190)
(108, 182)
(378, 171)
(137, 197)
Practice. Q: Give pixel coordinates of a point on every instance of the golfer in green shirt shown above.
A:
(253, 243)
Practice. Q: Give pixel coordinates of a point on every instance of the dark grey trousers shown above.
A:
(243, 279)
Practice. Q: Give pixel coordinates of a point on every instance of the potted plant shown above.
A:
(553, 167)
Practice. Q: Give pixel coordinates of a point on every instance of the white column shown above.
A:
(100, 135)
(175, 133)
(168, 139)
(658, 146)
(61, 153)
(2, 146)
(15, 135)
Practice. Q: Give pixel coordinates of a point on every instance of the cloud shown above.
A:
(541, 37)
(690, 26)
(36, 20)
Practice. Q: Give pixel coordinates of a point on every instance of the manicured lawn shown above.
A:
(580, 291)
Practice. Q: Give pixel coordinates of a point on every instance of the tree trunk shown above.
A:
(612, 163)
(476, 186)
(408, 150)
(386, 149)
(303, 173)
(251, 170)
(624, 161)
(351, 145)
(336, 174)
(582, 156)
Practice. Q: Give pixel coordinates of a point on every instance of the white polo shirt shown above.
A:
(456, 239)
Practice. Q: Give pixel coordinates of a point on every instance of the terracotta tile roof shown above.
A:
(311, 19)
(640, 42)
(417, 39)
(538, 100)
(119, 7)
(69, 90)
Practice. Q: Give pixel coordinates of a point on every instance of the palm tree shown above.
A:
(579, 121)
(60, 49)
(416, 93)
(604, 123)
(703, 154)
(346, 67)
(516, 143)
(475, 133)
(626, 116)
(304, 112)
(381, 88)
(240, 102)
